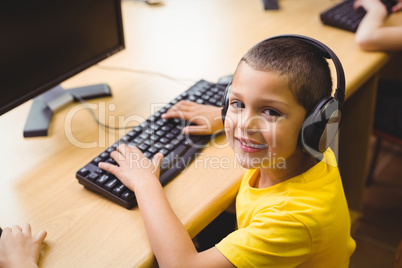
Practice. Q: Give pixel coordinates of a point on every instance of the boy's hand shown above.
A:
(18, 248)
(207, 119)
(133, 165)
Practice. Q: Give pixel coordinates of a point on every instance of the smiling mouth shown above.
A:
(252, 145)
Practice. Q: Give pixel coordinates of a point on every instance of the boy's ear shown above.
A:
(320, 127)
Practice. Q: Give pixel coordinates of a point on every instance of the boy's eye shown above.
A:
(271, 112)
(237, 104)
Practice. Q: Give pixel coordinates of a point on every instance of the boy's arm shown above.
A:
(168, 238)
(207, 119)
(371, 33)
(18, 248)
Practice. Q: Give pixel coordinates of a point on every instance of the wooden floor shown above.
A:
(380, 227)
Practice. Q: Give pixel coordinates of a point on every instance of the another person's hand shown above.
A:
(18, 248)
(133, 166)
(373, 4)
(207, 119)
(398, 6)
(369, 5)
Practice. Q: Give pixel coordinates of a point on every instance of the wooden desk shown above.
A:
(184, 39)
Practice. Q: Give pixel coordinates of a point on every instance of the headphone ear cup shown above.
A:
(320, 127)
(225, 103)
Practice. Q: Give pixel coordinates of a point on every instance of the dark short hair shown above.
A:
(306, 70)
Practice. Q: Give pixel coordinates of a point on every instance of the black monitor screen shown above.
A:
(44, 42)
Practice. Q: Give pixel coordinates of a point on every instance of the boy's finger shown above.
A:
(170, 114)
(16, 229)
(6, 230)
(177, 111)
(122, 149)
(133, 153)
(196, 130)
(26, 228)
(108, 167)
(39, 237)
(157, 160)
(117, 156)
(133, 148)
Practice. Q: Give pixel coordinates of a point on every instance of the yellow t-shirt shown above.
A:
(301, 222)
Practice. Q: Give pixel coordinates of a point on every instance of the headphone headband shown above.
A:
(317, 131)
(327, 53)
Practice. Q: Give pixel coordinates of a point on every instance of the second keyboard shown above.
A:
(344, 16)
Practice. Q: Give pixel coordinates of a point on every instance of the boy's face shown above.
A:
(263, 120)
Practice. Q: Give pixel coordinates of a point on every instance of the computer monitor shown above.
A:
(45, 42)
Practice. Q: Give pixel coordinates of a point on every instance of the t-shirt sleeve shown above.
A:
(268, 241)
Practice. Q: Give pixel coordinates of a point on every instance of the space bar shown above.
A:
(172, 157)
(180, 164)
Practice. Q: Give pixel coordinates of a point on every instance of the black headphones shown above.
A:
(322, 124)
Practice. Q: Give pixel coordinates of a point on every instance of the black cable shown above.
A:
(96, 118)
(151, 2)
(126, 70)
(179, 80)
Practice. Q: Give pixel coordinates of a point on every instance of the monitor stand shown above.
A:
(46, 104)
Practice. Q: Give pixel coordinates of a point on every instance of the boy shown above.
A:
(291, 209)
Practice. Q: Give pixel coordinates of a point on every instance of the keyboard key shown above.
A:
(164, 151)
(103, 179)
(83, 172)
(128, 195)
(104, 155)
(164, 140)
(148, 155)
(99, 171)
(111, 184)
(153, 150)
(143, 147)
(93, 176)
(173, 156)
(132, 133)
(111, 161)
(119, 189)
(110, 149)
(97, 160)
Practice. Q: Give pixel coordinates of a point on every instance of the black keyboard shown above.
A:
(343, 15)
(152, 136)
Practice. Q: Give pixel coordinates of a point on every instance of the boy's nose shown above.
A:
(252, 123)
